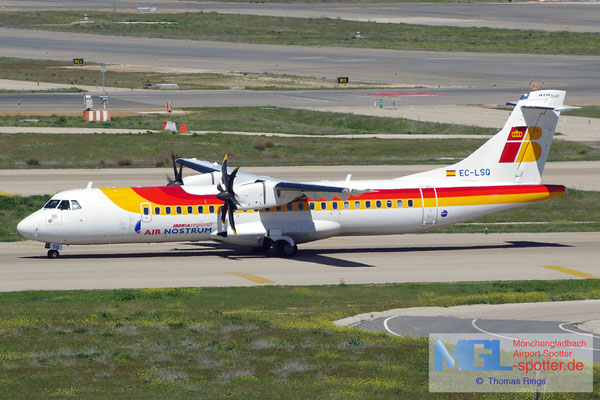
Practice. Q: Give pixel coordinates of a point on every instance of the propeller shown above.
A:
(178, 174)
(227, 196)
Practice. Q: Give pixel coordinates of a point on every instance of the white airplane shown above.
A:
(223, 205)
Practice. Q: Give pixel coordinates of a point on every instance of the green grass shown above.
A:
(35, 70)
(147, 150)
(314, 32)
(586, 111)
(261, 342)
(562, 214)
(259, 119)
(13, 209)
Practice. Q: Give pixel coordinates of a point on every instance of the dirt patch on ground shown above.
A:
(142, 68)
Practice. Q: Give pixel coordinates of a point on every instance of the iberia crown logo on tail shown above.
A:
(522, 145)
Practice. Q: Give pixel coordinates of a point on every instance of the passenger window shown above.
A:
(167, 210)
(278, 208)
(410, 203)
(211, 209)
(75, 205)
(200, 210)
(346, 205)
(179, 210)
(190, 210)
(52, 204)
(399, 203)
(357, 204)
(289, 207)
(300, 206)
(146, 211)
(323, 205)
(334, 205)
(378, 204)
(312, 205)
(64, 205)
(156, 210)
(368, 204)
(388, 204)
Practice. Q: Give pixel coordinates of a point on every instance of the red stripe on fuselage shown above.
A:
(175, 195)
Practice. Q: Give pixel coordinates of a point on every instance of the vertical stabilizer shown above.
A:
(516, 154)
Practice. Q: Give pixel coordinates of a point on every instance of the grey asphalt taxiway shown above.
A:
(574, 17)
(428, 68)
(375, 259)
(499, 320)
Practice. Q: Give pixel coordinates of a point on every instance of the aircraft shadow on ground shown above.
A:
(315, 256)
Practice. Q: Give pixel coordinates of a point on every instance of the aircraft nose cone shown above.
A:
(28, 227)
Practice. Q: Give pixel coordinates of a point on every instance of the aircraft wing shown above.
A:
(208, 167)
(308, 189)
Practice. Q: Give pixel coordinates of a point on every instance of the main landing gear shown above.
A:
(53, 254)
(284, 248)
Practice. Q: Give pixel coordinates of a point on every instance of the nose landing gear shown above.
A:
(54, 248)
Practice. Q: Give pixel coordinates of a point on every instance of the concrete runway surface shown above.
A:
(352, 260)
(574, 17)
(576, 175)
(479, 70)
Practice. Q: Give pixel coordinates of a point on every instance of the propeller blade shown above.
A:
(180, 176)
(231, 219)
(224, 177)
(223, 212)
(230, 180)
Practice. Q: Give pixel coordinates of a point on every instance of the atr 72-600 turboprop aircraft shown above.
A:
(223, 205)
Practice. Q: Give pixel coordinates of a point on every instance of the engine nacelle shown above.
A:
(263, 194)
(209, 179)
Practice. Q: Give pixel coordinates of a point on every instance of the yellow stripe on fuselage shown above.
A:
(125, 198)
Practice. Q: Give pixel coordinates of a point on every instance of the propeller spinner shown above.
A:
(227, 196)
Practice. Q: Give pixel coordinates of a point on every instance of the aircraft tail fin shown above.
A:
(516, 154)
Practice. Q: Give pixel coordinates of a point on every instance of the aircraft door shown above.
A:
(146, 210)
(429, 203)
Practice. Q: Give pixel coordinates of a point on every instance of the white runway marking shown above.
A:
(561, 326)
(385, 325)
(474, 323)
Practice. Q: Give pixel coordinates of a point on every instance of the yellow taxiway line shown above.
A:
(250, 277)
(570, 271)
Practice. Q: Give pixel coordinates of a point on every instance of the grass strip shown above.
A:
(255, 119)
(24, 150)
(274, 342)
(586, 111)
(312, 32)
(562, 214)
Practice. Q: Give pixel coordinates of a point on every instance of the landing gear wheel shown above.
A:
(284, 249)
(267, 243)
(53, 253)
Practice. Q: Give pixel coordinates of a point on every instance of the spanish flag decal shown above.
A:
(450, 172)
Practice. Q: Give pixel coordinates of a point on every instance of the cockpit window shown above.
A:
(75, 205)
(52, 204)
(64, 205)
